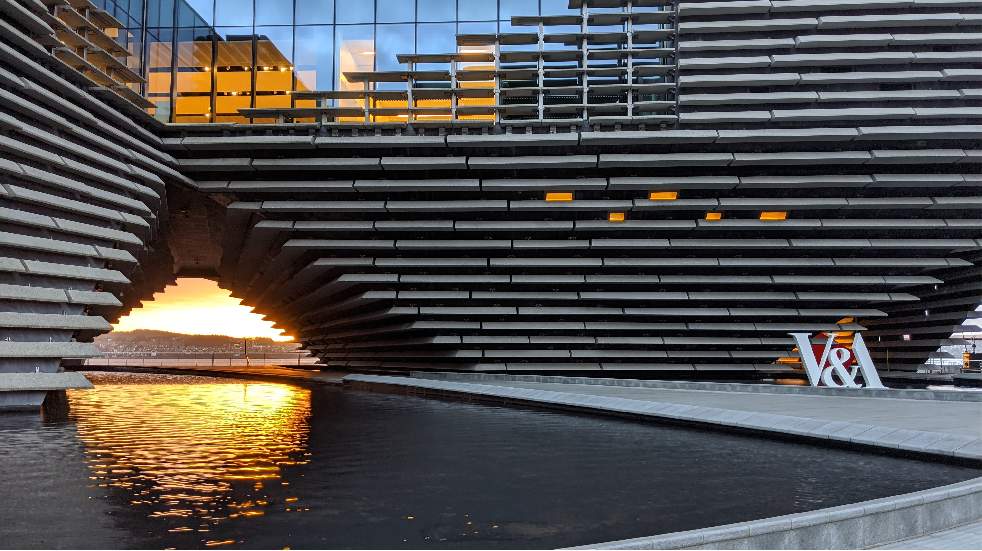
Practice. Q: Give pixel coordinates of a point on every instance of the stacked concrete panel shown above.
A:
(815, 168)
(790, 63)
(82, 191)
(473, 266)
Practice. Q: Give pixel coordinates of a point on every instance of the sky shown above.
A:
(198, 306)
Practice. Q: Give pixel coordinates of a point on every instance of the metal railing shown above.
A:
(297, 359)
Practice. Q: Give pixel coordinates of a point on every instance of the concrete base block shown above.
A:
(27, 400)
(26, 391)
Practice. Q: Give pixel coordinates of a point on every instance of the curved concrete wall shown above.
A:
(855, 526)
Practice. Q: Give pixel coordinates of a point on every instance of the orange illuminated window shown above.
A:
(559, 196)
(192, 105)
(663, 195)
(773, 215)
(713, 216)
(615, 217)
(274, 81)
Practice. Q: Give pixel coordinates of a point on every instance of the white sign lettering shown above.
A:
(836, 366)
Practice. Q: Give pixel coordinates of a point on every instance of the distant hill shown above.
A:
(152, 340)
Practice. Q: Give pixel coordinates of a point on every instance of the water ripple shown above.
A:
(184, 447)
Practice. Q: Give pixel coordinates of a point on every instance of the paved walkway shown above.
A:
(961, 418)
(936, 427)
(968, 536)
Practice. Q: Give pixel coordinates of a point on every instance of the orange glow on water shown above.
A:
(194, 452)
(199, 306)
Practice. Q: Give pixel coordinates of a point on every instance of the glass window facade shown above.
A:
(205, 59)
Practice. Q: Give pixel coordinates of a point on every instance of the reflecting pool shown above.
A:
(179, 461)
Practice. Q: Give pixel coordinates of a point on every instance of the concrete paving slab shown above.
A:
(948, 417)
(970, 450)
(873, 436)
(951, 442)
(922, 440)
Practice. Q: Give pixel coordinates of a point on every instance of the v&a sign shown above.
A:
(837, 366)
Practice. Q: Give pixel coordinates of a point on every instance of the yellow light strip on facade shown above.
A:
(615, 217)
(663, 195)
(559, 196)
(714, 216)
(773, 215)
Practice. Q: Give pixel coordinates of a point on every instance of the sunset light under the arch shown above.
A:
(199, 306)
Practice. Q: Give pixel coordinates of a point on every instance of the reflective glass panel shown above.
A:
(314, 57)
(274, 12)
(354, 51)
(489, 27)
(274, 66)
(436, 10)
(391, 40)
(205, 9)
(477, 10)
(160, 13)
(188, 17)
(135, 10)
(436, 38)
(557, 7)
(192, 101)
(315, 11)
(274, 47)
(355, 11)
(159, 58)
(509, 8)
(233, 12)
(396, 11)
(233, 73)
(131, 40)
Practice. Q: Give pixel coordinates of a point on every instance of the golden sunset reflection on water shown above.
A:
(201, 452)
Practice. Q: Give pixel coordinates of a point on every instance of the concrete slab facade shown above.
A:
(778, 166)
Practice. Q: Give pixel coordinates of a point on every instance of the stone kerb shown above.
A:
(897, 393)
(854, 526)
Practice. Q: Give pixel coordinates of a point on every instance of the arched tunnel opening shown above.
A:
(193, 306)
(183, 317)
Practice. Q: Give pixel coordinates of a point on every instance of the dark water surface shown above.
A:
(165, 461)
